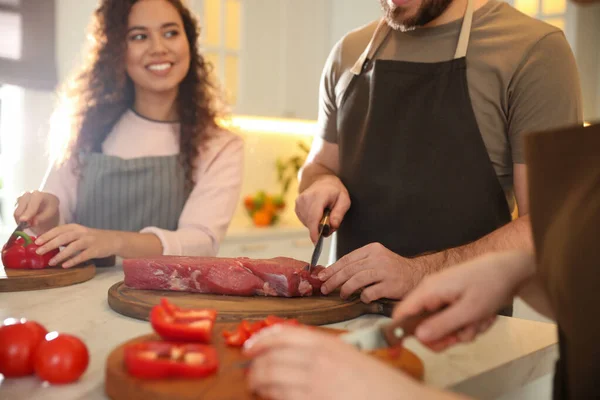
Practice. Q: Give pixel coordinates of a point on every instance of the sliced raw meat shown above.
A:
(241, 276)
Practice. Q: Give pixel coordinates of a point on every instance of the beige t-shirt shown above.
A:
(521, 75)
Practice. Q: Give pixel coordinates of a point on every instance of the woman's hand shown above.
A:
(39, 209)
(292, 363)
(81, 244)
(473, 292)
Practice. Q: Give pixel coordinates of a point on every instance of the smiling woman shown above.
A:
(145, 169)
(158, 54)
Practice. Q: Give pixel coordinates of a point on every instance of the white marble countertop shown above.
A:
(513, 353)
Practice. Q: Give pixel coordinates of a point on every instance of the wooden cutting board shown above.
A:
(16, 280)
(228, 384)
(314, 310)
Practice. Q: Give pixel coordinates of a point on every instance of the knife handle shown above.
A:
(396, 331)
(324, 226)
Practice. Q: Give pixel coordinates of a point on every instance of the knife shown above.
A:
(380, 335)
(324, 231)
(21, 226)
(385, 334)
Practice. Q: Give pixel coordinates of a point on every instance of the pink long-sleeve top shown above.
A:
(211, 203)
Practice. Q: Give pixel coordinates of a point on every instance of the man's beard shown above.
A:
(427, 12)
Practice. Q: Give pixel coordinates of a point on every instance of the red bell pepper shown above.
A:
(179, 324)
(245, 329)
(158, 360)
(21, 253)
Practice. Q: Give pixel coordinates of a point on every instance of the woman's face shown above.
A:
(158, 52)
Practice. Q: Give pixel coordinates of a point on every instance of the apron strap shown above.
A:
(381, 33)
(379, 36)
(465, 32)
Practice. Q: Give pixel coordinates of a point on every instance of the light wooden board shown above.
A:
(228, 384)
(16, 280)
(313, 310)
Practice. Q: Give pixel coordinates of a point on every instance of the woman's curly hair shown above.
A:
(102, 91)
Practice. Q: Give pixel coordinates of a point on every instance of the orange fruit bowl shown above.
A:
(263, 208)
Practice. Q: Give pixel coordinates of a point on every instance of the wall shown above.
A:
(24, 131)
(347, 15)
(587, 52)
(73, 17)
(262, 151)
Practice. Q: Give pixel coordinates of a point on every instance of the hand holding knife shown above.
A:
(20, 227)
(386, 334)
(324, 231)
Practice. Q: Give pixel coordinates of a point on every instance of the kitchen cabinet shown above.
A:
(272, 242)
(273, 63)
(284, 47)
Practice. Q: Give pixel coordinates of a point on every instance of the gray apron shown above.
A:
(128, 195)
(412, 157)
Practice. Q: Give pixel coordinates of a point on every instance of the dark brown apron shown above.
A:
(412, 157)
(564, 193)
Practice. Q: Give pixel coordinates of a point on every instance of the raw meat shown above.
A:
(240, 276)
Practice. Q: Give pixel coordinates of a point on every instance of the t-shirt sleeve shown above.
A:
(545, 92)
(327, 116)
(212, 203)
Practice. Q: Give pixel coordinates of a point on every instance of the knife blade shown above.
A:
(21, 226)
(324, 231)
(385, 334)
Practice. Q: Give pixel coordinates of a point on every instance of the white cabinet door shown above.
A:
(306, 39)
(284, 47)
(262, 59)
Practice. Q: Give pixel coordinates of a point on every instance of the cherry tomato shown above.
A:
(61, 358)
(19, 340)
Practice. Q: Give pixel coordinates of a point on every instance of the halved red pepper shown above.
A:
(245, 329)
(179, 324)
(159, 360)
(21, 253)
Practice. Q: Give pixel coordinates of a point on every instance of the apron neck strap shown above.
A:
(381, 33)
(465, 32)
(383, 30)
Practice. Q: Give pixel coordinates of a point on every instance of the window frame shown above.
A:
(221, 49)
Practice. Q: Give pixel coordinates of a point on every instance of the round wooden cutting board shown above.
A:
(314, 310)
(228, 384)
(16, 280)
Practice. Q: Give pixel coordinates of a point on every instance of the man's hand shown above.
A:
(473, 293)
(326, 191)
(380, 272)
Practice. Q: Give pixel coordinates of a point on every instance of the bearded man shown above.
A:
(419, 151)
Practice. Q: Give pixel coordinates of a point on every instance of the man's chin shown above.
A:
(400, 23)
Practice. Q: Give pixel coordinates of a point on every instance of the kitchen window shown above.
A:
(550, 11)
(220, 38)
(10, 33)
(27, 44)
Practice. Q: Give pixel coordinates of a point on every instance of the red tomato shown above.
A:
(19, 340)
(61, 358)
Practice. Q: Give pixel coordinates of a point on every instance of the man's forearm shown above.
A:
(310, 173)
(512, 236)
